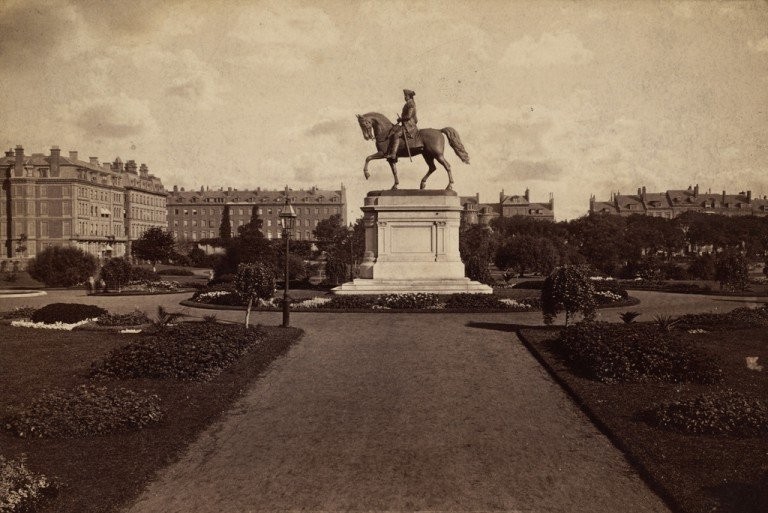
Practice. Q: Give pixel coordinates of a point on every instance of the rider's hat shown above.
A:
(409, 93)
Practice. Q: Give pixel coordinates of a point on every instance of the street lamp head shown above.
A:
(287, 216)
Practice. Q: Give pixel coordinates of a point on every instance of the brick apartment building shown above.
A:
(196, 215)
(56, 200)
(508, 206)
(672, 203)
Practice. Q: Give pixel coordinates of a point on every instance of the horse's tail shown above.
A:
(455, 141)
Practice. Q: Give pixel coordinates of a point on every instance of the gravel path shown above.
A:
(403, 413)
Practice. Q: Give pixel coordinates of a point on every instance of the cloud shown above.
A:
(117, 118)
(335, 127)
(760, 46)
(558, 48)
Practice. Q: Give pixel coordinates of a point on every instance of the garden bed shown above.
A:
(695, 473)
(111, 469)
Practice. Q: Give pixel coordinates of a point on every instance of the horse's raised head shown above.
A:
(366, 127)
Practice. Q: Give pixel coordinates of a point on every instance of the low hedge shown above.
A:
(22, 312)
(613, 353)
(67, 313)
(723, 412)
(173, 271)
(739, 318)
(84, 411)
(135, 318)
(187, 351)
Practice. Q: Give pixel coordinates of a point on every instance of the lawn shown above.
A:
(102, 473)
(695, 473)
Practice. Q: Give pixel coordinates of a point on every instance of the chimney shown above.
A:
(9, 153)
(639, 191)
(643, 194)
(73, 155)
(175, 188)
(696, 191)
(19, 162)
(749, 196)
(144, 170)
(94, 160)
(723, 200)
(527, 194)
(106, 166)
(55, 155)
(182, 189)
(202, 189)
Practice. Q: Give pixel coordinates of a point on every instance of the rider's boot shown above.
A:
(393, 152)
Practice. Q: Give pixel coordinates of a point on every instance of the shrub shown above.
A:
(702, 267)
(62, 266)
(222, 279)
(67, 313)
(629, 317)
(84, 411)
(139, 273)
(716, 413)
(172, 271)
(134, 318)
(116, 273)
(530, 285)
(20, 488)
(188, 351)
(474, 302)
(732, 271)
(632, 353)
(567, 289)
(476, 269)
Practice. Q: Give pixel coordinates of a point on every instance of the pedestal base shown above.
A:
(362, 286)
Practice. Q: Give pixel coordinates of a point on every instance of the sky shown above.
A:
(569, 98)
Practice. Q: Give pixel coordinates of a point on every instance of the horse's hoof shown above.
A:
(423, 185)
(366, 174)
(394, 187)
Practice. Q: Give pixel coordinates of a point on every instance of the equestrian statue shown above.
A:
(405, 139)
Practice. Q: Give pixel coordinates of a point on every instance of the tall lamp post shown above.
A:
(287, 220)
(351, 232)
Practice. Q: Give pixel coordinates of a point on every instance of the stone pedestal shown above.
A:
(412, 245)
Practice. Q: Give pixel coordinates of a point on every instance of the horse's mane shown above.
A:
(380, 117)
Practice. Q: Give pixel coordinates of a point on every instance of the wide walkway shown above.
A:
(401, 412)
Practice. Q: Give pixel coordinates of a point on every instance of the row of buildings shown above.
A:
(102, 207)
(672, 203)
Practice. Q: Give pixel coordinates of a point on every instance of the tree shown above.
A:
(335, 270)
(702, 267)
(254, 281)
(330, 234)
(567, 289)
(62, 266)
(21, 245)
(599, 238)
(154, 245)
(116, 273)
(225, 228)
(732, 271)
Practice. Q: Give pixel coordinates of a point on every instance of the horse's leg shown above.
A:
(430, 160)
(440, 158)
(375, 156)
(394, 173)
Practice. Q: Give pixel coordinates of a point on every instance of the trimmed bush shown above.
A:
(567, 289)
(62, 266)
(20, 488)
(139, 273)
(474, 301)
(716, 413)
(175, 272)
(116, 273)
(67, 313)
(187, 351)
(21, 312)
(85, 411)
(614, 353)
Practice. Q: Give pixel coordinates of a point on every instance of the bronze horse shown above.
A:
(377, 127)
